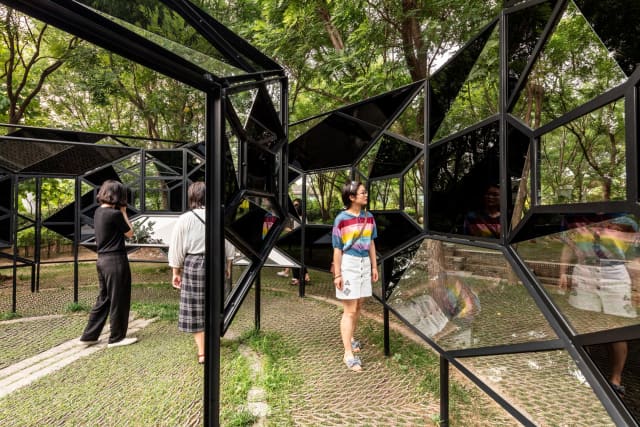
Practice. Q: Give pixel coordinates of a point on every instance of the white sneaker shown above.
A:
(282, 274)
(122, 342)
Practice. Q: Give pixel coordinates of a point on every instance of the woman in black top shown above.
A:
(112, 226)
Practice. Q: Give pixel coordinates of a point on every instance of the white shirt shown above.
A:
(188, 237)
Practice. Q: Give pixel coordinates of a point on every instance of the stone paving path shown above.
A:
(26, 371)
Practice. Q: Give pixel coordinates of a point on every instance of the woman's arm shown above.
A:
(128, 234)
(337, 265)
(374, 263)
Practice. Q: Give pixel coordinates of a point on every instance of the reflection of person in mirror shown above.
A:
(485, 222)
(112, 226)
(355, 265)
(289, 225)
(600, 281)
(187, 261)
(268, 221)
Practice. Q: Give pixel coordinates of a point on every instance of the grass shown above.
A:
(158, 382)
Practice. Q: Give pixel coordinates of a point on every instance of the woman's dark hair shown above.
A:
(113, 193)
(197, 193)
(350, 188)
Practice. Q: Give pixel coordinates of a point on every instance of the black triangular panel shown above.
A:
(379, 110)
(393, 157)
(617, 23)
(446, 82)
(525, 28)
(263, 125)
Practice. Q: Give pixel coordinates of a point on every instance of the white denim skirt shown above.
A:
(356, 277)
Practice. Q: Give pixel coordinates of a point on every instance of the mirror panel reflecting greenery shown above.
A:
(573, 68)
(585, 160)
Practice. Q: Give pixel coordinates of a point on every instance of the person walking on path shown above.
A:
(112, 226)
(354, 264)
(187, 262)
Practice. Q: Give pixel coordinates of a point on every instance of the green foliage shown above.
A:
(9, 315)
(162, 311)
(75, 307)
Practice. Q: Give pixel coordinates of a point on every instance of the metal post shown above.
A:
(257, 288)
(385, 314)
(214, 241)
(444, 391)
(77, 229)
(35, 270)
(14, 236)
(303, 283)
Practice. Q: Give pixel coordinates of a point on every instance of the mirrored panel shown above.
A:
(615, 22)
(572, 68)
(588, 266)
(547, 386)
(410, 123)
(163, 195)
(236, 267)
(619, 364)
(394, 268)
(299, 128)
(585, 160)
(380, 109)
(163, 163)
(365, 165)
(336, 141)
(524, 30)
(163, 26)
(445, 84)
(318, 251)
(392, 157)
(413, 194)
(395, 229)
(153, 229)
(263, 125)
(466, 297)
(519, 175)
(242, 102)
(384, 194)
(477, 98)
(462, 172)
(250, 223)
(261, 168)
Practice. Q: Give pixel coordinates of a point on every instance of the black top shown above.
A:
(110, 227)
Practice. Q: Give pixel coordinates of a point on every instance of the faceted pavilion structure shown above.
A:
(517, 259)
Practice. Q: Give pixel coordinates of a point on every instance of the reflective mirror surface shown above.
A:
(585, 160)
(466, 297)
(590, 269)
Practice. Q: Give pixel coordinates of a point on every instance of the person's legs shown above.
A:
(100, 310)
(199, 338)
(347, 326)
(119, 286)
(618, 356)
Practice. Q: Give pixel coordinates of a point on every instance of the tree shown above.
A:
(31, 52)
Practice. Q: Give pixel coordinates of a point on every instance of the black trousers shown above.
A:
(114, 298)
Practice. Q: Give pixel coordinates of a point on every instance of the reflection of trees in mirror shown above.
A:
(385, 194)
(573, 68)
(584, 160)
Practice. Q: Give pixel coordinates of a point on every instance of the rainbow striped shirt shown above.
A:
(346, 227)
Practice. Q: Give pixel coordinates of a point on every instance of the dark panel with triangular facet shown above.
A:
(379, 110)
(334, 142)
(460, 172)
(524, 30)
(393, 157)
(394, 230)
(446, 82)
(318, 250)
(617, 23)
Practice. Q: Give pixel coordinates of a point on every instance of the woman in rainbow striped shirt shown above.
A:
(354, 264)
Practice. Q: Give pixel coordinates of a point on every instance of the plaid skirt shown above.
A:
(191, 315)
